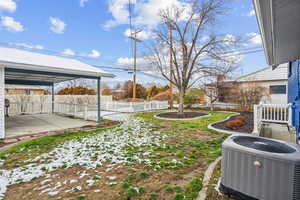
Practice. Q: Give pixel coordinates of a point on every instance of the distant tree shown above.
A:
(141, 91)
(107, 91)
(77, 90)
(152, 91)
(246, 97)
(214, 83)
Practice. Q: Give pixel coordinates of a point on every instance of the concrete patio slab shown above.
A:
(30, 124)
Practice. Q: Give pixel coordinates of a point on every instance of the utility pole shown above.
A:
(135, 40)
(171, 65)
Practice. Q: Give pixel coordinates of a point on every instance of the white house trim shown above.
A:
(2, 103)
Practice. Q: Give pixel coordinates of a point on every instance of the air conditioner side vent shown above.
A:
(296, 183)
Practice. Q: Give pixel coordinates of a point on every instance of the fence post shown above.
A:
(255, 113)
(290, 114)
(75, 109)
(85, 111)
(131, 107)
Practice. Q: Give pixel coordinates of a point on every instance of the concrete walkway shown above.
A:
(31, 124)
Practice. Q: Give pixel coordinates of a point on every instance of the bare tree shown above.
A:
(194, 43)
(248, 96)
(214, 85)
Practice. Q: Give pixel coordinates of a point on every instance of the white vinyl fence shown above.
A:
(85, 111)
(272, 113)
(35, 104)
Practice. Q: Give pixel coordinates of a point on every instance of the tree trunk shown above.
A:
(211, 105)
(181, 102)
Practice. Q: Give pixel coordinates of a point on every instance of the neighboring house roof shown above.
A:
(26, 60)
(266, 74)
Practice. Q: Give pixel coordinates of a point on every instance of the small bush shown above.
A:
(242, 118)
(235, 124)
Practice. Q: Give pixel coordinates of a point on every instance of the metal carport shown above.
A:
(30, 68)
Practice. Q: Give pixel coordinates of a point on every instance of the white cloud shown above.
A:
(119, 11)
(254, 38)
(10, 24)
(145, 13)
(28, 46)
(68, 52)
(229, 39)
(82, 2)
(143, 35)
(8, 5)
(129, 61)
(251, 13)
(234, 58)
(148, 12)
(94, 54)
(57, 25)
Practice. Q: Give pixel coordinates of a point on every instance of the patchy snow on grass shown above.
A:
(88, 152)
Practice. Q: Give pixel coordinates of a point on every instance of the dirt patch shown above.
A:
(247, 128)
(185, 115)
(74, 182)
(71, 183)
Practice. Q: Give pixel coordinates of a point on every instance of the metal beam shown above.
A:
(98, 100)
(27, 82)
(25, 71)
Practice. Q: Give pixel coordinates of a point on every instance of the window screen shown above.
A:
(278, 89)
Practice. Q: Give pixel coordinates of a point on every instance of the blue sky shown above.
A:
(95, 29)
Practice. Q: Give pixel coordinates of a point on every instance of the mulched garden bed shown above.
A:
(247, 128)
(185, 115)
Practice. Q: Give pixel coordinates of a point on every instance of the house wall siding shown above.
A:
(2, 102)
(267, 74)
(270, 98)
(294, 93)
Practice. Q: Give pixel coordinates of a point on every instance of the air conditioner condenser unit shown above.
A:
(256, 168)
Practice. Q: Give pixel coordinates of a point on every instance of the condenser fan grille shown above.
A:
(263, 144)
(296, 193)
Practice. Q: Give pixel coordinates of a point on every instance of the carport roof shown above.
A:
(25, 67)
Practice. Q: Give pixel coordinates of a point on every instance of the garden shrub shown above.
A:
(241, 118)
(236, 123)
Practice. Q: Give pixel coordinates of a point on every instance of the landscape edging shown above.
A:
(206, 179)
(178, 119)
(210, 126)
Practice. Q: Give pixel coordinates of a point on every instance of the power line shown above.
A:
(127, 68)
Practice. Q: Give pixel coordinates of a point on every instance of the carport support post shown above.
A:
(98, 100)
(52, 98)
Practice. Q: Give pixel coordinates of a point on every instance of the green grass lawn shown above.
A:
(189, 125)
(15, 155)
(172, 169)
